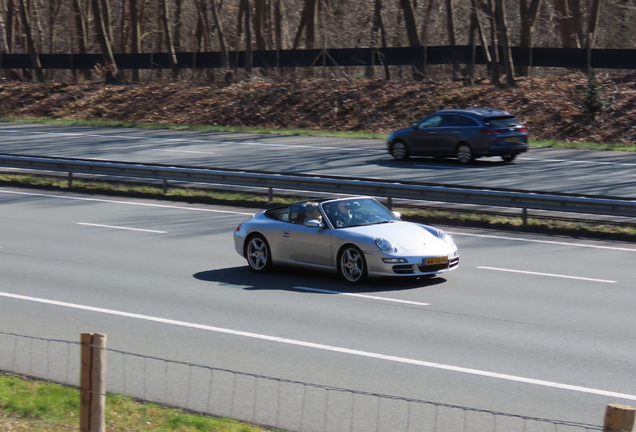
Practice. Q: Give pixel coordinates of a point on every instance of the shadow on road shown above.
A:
(289, 279)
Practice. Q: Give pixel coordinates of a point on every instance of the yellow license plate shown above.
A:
(436, 260)
(512, 140)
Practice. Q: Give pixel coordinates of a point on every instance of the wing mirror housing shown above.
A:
(314, 223)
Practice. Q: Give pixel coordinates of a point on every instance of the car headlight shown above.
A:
(445, 238)
(385, 246)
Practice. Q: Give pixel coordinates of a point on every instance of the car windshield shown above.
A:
(357, 212)
(502, 122)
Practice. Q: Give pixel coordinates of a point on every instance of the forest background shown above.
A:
(559, 104)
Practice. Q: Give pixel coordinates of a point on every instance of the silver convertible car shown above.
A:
(357, 237)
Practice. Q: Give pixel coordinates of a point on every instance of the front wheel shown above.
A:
(399, 151)
(352, 265)
(258, 254)
(465, 154)
(509, 157)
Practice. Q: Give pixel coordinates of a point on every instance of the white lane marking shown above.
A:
(580, 161)
(362, 296)
(127, 203)
(546, 274)
(433, 165)
(329, 348)
(197, 141)
(186, 151)
(121, 228)
(544, 241)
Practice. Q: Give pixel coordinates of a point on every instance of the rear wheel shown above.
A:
(399, 151)
(351, 265)
(509, 157)
(258, 254)
(465, 154)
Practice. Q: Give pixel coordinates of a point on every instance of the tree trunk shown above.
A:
(504, 40)
(411, 32)
(450, 26)
(308, 24)
(378, 27)
(35, 57)
(529, 15)
(225, 55)
(245, 4)
(80, 11)
(172, 54)
(476, 25)
(409, 22)
(109, 69)
(260, 8)
(565, 25)
(135, 33)
(593, 23)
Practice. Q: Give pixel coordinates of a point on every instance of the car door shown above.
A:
(303, 244)
(437, 135)
(420, 139)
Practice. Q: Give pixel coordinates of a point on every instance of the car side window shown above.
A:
(450, 120)
(466, 121)
(434, 121)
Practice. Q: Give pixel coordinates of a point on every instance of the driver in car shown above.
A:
(342, 217)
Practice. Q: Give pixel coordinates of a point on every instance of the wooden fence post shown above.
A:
(93, 382)
(619, 418)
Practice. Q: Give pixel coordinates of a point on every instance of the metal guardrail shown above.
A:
(524, 200)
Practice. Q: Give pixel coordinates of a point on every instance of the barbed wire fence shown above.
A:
(258, 399)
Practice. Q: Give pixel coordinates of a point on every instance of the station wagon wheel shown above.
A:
(465, 154)
(399, 151)
(352, 265)
(509, 157)
(258, 254)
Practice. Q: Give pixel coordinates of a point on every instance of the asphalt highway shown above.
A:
(602, 173)
(531, 325)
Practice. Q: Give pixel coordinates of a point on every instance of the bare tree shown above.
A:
(80, 12)
(172, 54)
(33, 53)
(378, 27)
(529, 14)
(477, 27)
(109, 69)
(452, 41)
(307, 24)
(504, 38)
(135, 33)
(225, 55)
(565, 22)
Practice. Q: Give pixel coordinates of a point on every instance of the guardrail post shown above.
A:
(92, 382)
(524, 216)
(165, 186)
(619, 418)
(70, 179)
(389, 203)
(270, 195)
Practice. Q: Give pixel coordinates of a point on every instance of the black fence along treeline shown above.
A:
(407, 56)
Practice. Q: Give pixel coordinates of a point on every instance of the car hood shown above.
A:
(404, 235)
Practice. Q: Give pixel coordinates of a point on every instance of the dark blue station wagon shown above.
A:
(466, 134)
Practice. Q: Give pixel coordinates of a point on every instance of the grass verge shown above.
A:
(428, 215)
(39, 406)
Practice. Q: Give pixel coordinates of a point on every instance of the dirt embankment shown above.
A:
(552, 107)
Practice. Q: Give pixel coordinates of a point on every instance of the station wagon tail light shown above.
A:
(489, 131)
(522, 128)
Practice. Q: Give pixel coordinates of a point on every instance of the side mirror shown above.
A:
(397, 214)
(314, 223)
